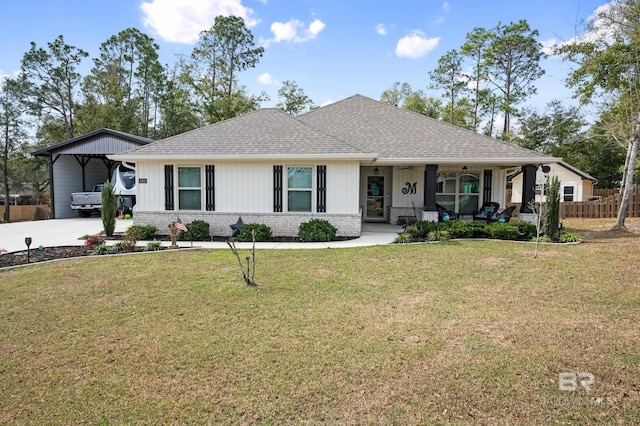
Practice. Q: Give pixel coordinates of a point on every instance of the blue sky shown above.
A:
(331, 48)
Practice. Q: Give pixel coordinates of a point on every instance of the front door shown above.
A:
(376, 209)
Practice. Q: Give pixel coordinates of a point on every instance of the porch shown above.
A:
(396, 194)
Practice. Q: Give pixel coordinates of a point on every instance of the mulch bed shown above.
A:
(48, 253)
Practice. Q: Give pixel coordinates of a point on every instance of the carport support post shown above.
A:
(528, 187)
(430, 177)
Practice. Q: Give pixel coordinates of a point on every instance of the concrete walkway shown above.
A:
(67, 232)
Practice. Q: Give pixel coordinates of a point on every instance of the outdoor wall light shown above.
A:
(464, 169)
(27, 241)
(376, 171)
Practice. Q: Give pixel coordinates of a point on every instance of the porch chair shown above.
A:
(504, 216)
(444, 214)
(487, 211)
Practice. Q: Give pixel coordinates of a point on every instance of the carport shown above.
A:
(77, 164)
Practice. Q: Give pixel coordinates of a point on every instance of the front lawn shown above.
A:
(451, 333)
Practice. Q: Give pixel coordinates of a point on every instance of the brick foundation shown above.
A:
(281, 224)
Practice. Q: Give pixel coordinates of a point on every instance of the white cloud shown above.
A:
(599, 28)
(380, 29)
(294, 31)
(327, 102)
(548, 46)
(265, 78)
(415, 45)
(445, 7)
(315, 28)
(181, 21)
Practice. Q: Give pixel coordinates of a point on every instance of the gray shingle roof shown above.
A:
(263, 133)
(357, 127)
(401, 135)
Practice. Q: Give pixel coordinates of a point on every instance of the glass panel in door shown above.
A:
(376, 209)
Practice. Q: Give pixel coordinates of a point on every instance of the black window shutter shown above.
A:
(486, 188)
(321, 186)
(277, 188)
(168, 187)
(210, 189)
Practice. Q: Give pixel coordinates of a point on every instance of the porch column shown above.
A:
(528, 187)
(430, 175)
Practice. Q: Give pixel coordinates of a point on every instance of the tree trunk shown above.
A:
(628, 178)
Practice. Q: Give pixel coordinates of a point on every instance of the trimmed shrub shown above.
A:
(108, 209)
(93, 241)
(527, 230)
(198, 231)
(466, 229)
(145, 232)
(424, 227)
(263, 232)
(551, 213)
(118, 247)
(317, 230)
(503, 231)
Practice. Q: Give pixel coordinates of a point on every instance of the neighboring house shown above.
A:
(352, 161)
(575, 185)
(78, 164)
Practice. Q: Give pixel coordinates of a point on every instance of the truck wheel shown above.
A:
(84, 213)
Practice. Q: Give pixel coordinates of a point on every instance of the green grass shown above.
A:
(451, 333)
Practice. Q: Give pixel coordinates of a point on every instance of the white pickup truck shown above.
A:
(124, 187)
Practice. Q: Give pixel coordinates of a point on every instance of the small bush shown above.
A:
(130, 240)
(466, 229)
(570, 237)
(527, 230)
(403, 238)
(118, 247)
(541, 239)
(198, 231)
(424, 227)
(263, 232)
(146, 232)
(317, 230)
(93, 241)
(503, 231)
(439, 235)
(154, 246)
(100, 249)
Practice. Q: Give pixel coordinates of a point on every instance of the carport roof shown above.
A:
(99, 142)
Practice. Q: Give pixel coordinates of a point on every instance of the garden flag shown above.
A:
(181, 226)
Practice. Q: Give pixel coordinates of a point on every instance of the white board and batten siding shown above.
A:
(404, 179)
(247, 187)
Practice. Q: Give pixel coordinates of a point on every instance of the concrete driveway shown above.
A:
(56, 232)
(67, 232)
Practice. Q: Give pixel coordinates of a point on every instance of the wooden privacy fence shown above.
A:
(25, 213)
(598, 192)
(606, 207)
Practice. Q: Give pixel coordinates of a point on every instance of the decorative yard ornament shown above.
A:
(236, 227)
(173, 232)
(27, 241)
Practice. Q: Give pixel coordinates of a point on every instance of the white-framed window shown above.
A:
(459, 192)
(569, 192)
(189, 188)
(299, 189)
